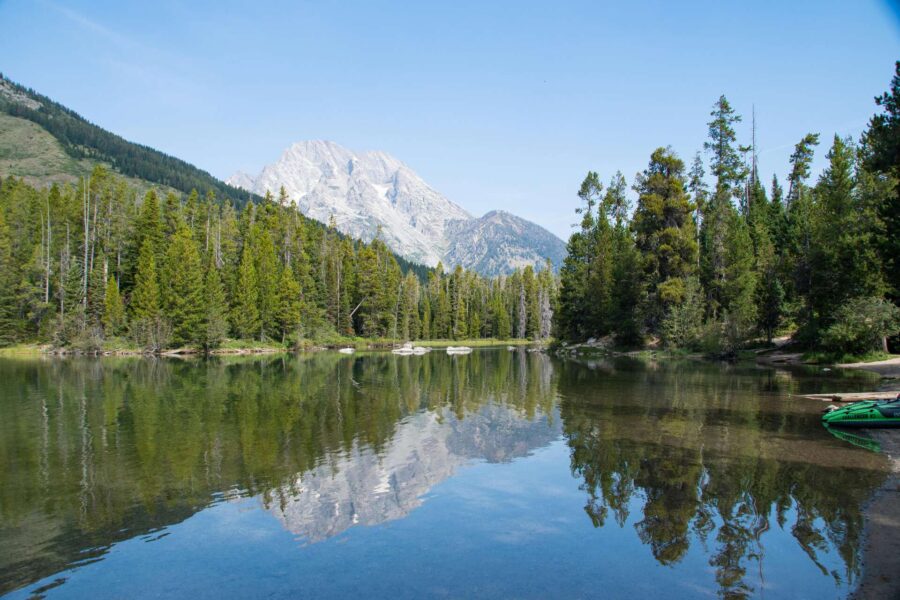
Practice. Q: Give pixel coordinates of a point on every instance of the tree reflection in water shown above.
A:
(99, 451)
(713, 457)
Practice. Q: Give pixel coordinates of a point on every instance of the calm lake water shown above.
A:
(497, 474)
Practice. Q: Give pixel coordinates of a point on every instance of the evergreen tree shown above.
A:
(172, 215)
(576, 308)
(182, 288)
(7, 297)
(113, 309)
(726, 163)
(845, 262)
(245, 309)
(148, 227)
(215, 322)
(290, 304)
(739, 288)
(800, 227)
(881, 161)
(664, 233)
(801, 159)
(266, 281)
(145, 299)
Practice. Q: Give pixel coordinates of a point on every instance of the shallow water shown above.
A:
(496, 474)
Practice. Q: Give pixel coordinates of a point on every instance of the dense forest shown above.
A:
(93, 266)
(713, 265)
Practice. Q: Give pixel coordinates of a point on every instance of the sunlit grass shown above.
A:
(21, 351)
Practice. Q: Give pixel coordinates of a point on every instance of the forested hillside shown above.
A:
(84, 140)
(83, 266)
(711, 266)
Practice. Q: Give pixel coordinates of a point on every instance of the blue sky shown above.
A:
(496, 104)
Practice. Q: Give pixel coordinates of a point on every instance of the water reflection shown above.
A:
(717, 461)
(689, 455)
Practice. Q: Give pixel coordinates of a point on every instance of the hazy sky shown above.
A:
(496, 104)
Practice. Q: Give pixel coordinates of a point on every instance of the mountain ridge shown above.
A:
(374, 193)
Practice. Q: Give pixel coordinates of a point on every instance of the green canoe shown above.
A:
(867, 413)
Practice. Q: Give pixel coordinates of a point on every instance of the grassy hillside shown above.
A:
(28, 151)
(79, 143)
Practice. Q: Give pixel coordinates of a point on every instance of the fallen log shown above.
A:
(851, 396)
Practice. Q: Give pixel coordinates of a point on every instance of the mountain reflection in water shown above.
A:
(688, 455)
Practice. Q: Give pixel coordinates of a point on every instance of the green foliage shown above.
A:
(862, 325)
(712, 273)
(881, 157)
(245, 309)
(727, 165)
(290, 305)
(664, 233)
(7, 299)
(215, 322)
(683, 326)
(145, 299)
(113, 309)
(266, 266)
(182, 288)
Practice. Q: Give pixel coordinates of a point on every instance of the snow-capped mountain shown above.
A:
(363, 487)
(371, 191)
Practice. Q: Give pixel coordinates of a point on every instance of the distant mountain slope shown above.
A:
(373, 193)
(82, 140)
(499, 241)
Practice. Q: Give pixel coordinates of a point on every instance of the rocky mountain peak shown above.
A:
(373, 190)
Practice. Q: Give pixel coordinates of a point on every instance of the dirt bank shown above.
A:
(885, 368)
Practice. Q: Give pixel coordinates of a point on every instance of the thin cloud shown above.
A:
(93, 26)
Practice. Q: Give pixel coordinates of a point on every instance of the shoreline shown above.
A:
(881, 535)
(362, 345)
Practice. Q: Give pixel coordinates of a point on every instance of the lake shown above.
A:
(495, 474)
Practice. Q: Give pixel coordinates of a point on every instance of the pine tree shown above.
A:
(97, 281)
(7, 296)
(290, 304)
(881, 161)
(182, 288)
(245, 308)
(173, 218)
(503, 324)
(726, 163)
(576, 307)
(215, 322)
(739, 286)
(845, 262)
(145, 299)
(458, 304)
(800, 227)
(801, 159)
(113, 309)
(627, 291)
(266, 280)
(148, 225)
(532, 305)
(664, 233)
